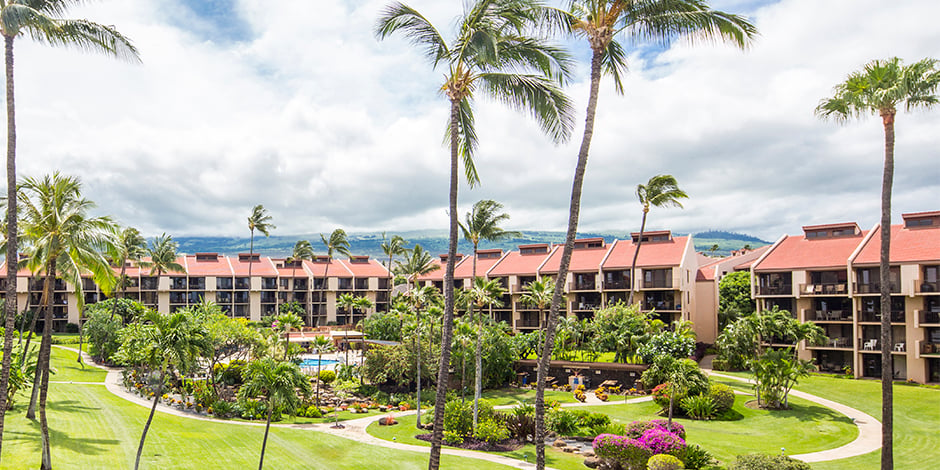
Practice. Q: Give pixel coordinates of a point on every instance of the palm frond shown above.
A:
(95, 37)
(614, 63)
(539, 95)
(415, 27)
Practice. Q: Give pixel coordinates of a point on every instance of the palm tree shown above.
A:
(599, 22)
(659, 191)
(417, 263)
(320, 344)
(259, 220)
(130, 246)
(283, 325)
(336, 244)
(420, 297)
(879, 89)
(65, 242)
(162, 253)
(493, 54)
(538, 294)
(392, 247)
(41, 20)
(175, 343)
(483, 293)
(279, 383)
(482, 223)
(303, 250)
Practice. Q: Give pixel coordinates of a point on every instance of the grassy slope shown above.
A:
(92, 429)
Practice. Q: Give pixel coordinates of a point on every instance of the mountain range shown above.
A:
(435, 241)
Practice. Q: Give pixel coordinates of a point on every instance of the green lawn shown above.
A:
(93, 429)
(405, 433)
(67, 368)
(510, 396)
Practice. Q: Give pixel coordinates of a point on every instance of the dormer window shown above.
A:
(207, 256)
(490, 254)
(652, 237)
(359, 259)
(533, 249)
(589, 243)
(249, 257)
(816, 232)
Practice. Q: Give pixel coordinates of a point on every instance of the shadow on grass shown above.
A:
(807, 412)
(70, 406)
(62, 440)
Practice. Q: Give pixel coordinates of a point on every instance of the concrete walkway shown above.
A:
(869, 428)
(868, 440)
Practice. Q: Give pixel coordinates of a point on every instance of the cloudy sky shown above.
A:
(295, 105)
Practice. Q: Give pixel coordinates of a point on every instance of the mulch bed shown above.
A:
(472, 444)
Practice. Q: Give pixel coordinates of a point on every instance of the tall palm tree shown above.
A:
(491, 53)
(130, 246)
(482, 223)
(283, 325)
(336, 244)
(320, 344)
(879, 88)
(484, 293)
(259, 220)
(392, 247)
(175, 343)
(162, 253)
(44, 22)
(65, 243)
(420, 298)
(279, 383)
(538, 294)
(303, 250)
(600, 22)
(417, 263)
(659, 191)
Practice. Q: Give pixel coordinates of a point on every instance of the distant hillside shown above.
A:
(435, 241)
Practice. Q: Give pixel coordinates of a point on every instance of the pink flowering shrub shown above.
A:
(631, 454)
(637, 428)
(660, 441)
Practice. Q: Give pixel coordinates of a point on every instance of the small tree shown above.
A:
(776, 372)
(320, 345)
(279, 383)
(734, 298)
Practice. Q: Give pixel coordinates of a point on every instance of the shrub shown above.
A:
(695, 457)
(327, 376)
(607, 429)
(720, 364)
(223, 409)
(562, 422)
(71, 328)
(664, 462)
(458, 417)
(491, 431)
(631, 454)
(661, 441)
(637, 428)
(521, 426)
(699, 407)
(313, 412)
(452, 438)
(667, 343)
(588, 420)
(250, 409)
(722, 396)
(767, 462)
(231, 373)
(661, 395)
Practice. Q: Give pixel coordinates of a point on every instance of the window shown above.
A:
(912, 223)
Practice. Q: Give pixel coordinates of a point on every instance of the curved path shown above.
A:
(869, 428)
(868, 440)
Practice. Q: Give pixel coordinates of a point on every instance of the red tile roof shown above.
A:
(652, 254)
(582, 259)
(908, 245)
(437, 274)
(526, 265)
(337, 269)
(465, 269)
(263, 267)
(203, 264)
(705, 272)
(368, 268)
(798, 252)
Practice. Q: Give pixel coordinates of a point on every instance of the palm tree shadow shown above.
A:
(810, 412)
(61, 440)
(70, 406)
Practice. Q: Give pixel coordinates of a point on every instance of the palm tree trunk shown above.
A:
(478, 364)
(32, 330)
(636, 254)
(42, 369)
(267, 427)
(12, 256)
(153, 409)
(251, 251)
(447, 329)
(887, 365)
(573, 214)
(319, 361)
(46, 311)
(326, 281)
(418, 362)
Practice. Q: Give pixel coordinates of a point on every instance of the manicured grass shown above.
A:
(581, 355)
(405, 432)
(806, 427)
(93, 429)
(67, 368)
(510, 396)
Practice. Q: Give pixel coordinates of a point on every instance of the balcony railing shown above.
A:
(621, 284)
(527, 323)
(928, 287)
(584, 285)
(786, 289)
(875, 317)
(582, 306)
(926, 317)
(875, 288)
(839, 288)
(831, 315)
(661, 305)
(658, 284)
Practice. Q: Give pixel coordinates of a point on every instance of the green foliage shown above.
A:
(698, 406)
(745, 339)
(453, 438)
(695, 457)
(520, 426)
(327, 376)
(722, 396)
(458, 417)
(562, 421)
(313, 411)
(664, 462)
(767, 462)
(734, 298)
(685, 373)
(609, 428)
(382, 326)
(396, 364)
(127, 309)
(491, 431)
(231, 373)
(667, 343)
(524, 345)
(102, 331)
(223, 409)
(622, 328)
(775, 373)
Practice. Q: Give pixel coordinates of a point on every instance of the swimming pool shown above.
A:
(315, 362)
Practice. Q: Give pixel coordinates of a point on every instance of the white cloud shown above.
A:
(326, 126)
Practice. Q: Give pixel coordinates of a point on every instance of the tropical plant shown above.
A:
(279, 383)
(336, 244)
(65, 242)
(320, 344)
(659, 191)
(282, 326)
(392, 247)
(482, 224)
(165, 343)
(879, 88)
(776, 372)
(746, 339)
(417, 262)
(683, 376)
(538, 294)
(734, 298)
(259, 220)
(484, 293)
(162, 253)
(600, 22)
(43, 21)
(302, 251)
(130, 246)
(491, 53)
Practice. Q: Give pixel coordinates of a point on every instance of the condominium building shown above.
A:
(830, 275)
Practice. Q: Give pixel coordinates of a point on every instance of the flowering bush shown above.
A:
(661, 395)
(664, 462)
(661, 441)
(631, 454)
(636, 429)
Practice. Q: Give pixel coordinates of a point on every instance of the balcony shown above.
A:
(928, 287)
(300, 284)
(925, 318)
(148, 283)
(617, 285)
(661, 305)
(829, 315)
(269, 283)
(836, 343)
(875, 288)
(242, 283)
(362, 284)
(527, 323)
(345, 284)
(584, 285)
(197, 283)
(875, 317)
(838, 288)
(783, 289)
(178, 283)
(582, 306)
(658, 284)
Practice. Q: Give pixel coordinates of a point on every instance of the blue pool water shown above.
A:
(315, 362)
